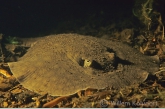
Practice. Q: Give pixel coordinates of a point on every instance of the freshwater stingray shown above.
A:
(66, 63)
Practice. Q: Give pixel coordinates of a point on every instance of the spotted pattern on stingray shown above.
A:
(66, 63)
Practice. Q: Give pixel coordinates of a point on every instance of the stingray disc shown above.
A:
(66, 63)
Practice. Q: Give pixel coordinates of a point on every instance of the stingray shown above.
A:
(66, 63)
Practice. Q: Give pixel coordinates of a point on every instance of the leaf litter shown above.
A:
(152, 90)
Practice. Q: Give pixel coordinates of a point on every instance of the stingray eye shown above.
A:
(87, 63)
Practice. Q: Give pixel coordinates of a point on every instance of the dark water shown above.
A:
(28, 18)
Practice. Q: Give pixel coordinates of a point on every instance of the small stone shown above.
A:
(5, 104)
(107, 97)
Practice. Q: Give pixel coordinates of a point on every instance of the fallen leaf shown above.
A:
(5, 73)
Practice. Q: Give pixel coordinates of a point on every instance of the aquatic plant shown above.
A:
(12, 40)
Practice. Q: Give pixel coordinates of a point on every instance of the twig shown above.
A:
(55, 102)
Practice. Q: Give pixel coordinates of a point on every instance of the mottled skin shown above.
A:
(66, 63)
